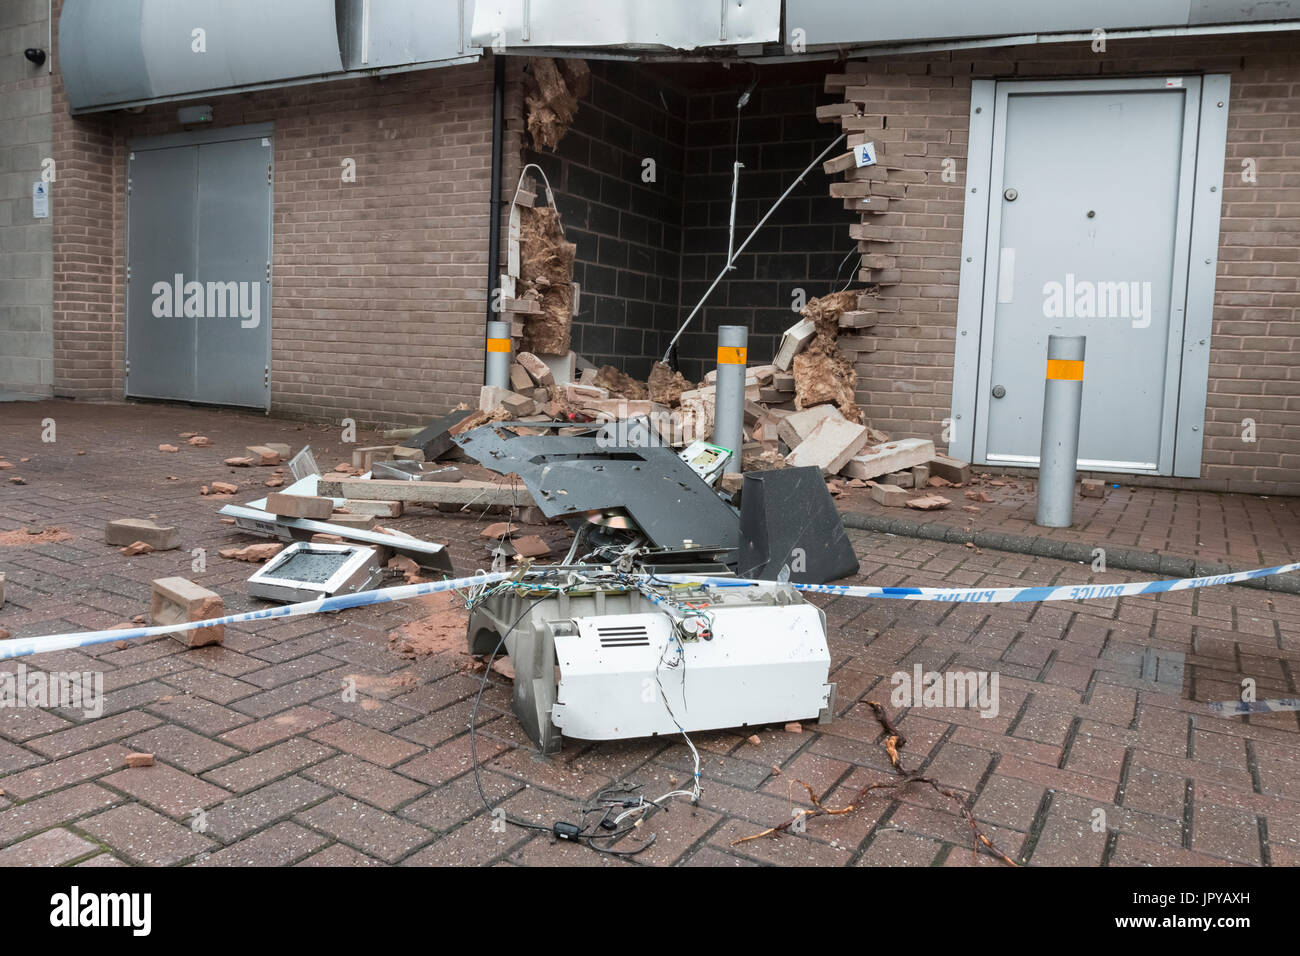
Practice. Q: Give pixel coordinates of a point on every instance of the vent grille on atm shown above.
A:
(629, 636)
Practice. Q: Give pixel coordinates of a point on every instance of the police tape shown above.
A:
(23, 646)
(1065, 592)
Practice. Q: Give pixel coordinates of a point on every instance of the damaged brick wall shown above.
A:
(627, 229)
(918, 106)
(794, 259)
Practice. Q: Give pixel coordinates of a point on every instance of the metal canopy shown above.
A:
(383, 34)
(827, 23)
(124, 53)
(505, 25)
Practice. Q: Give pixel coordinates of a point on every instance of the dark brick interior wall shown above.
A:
(802, 244)
(648, 251)
(627, 230)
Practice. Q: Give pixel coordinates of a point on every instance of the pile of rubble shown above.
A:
(799, 410)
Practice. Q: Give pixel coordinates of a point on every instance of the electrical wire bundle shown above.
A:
(611, 826)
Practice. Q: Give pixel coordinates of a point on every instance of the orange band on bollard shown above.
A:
(498, 345)
(731, 355)
(1068, 370)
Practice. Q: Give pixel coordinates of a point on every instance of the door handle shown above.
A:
(999, 391)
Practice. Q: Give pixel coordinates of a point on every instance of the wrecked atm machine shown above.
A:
(616, 641)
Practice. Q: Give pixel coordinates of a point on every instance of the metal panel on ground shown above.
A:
(569, 476)
(670, 24)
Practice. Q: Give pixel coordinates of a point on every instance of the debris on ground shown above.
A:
(178, 600)
(255, 553)
(439, 630)
(130, 532)
(134, 760)
(24, 537)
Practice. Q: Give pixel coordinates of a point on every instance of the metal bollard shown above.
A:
(1059, 455)
(729, 402)
(496, 369)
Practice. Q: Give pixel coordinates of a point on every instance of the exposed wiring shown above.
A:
(687, 623)
(550, 196)
(579, 833)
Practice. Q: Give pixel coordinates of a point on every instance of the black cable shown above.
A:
(581, 837)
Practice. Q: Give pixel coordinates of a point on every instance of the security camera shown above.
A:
(35, 54)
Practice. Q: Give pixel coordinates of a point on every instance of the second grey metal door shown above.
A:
(198, 258)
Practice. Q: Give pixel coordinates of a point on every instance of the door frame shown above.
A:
(199, 137)
(1188, 354)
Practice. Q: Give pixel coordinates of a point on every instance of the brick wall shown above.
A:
(379, 285)
(26, 292)
(923, 103)
(627, 229)
(797, 253)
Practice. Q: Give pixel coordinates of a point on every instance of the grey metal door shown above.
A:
(198, 266)
(1088, 234)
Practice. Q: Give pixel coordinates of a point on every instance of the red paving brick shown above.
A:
(257, 736)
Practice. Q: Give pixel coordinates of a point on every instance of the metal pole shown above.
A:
(1059, 455)
(497, 366)
(494, 206)
(731, 260)
(729, 401)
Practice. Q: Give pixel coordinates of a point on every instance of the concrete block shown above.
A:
(384, 509)
(1092, 488)
(518, 405)
(280, 448)
(950, 469)
(490, 397)
(354, 520)
(125, 531)
(519, 379)
(263, 455)
(564, 368)
(795, 427)
(299, 506)
(891, 496)
(793, 341)
(537, 370)
(403, 453)
(920, 475)
(578, 394)
(830, 445)
(899, 479)
(176, 600)
(364, 458)
(890, 457)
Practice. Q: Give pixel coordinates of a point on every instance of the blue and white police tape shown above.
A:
(23, 646)
(1065, 592)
